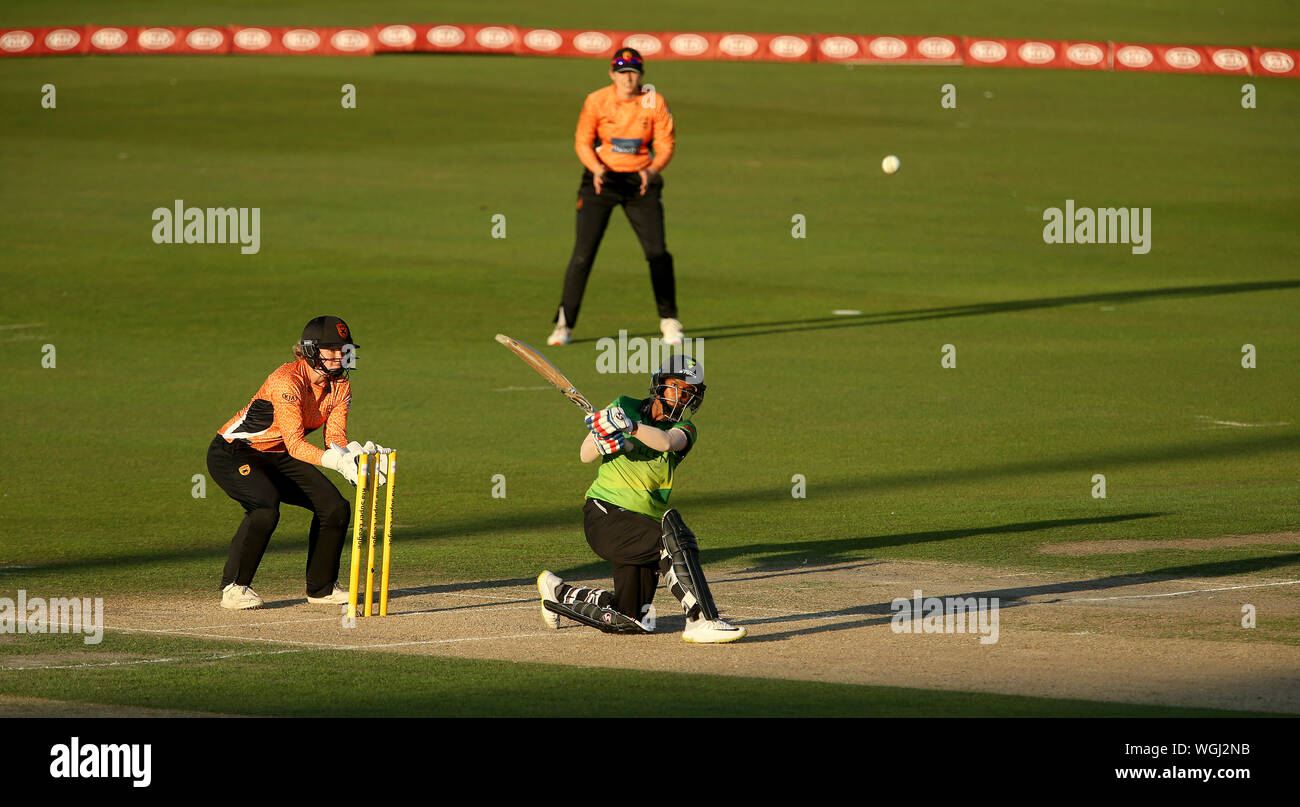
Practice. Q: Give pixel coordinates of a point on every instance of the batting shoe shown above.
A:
(712, 631)
(560, 336)
(336, 597)
(672, 331)
(240, 598)
(547, 583)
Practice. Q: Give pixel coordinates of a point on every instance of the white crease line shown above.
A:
(1178, 593)
(151, 661)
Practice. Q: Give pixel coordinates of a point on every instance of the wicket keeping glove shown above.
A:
(338, 458)
(610, 445)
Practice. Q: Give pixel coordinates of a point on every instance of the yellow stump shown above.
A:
(357, 523)
(388, 533)
(373, 494)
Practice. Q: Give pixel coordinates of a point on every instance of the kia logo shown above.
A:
(204, 39)
(887, 47)
(495, 38)
(156, 38)
(350, 40)
(1276, 62)
(1182, 58)
(445, 36)
(988, 51)
(788, 47)
(543, 39)
(738, 45)
(301, 39)
(838, 47)
(18, 41)
(936, 47)
(1084, 53)
(592, 42)
(252, 39)
(108, 38)
(647, 44)
(62, 39)
(688, 44)
(1228, 59)
(397, 36)
(1134, 56)
(1037, 52)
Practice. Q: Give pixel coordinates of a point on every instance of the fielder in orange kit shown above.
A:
(625, 138)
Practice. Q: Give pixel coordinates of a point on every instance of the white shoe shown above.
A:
(240, 598)
(560, 336)
(336, 597)
(672, 331)
(547, 583)
(712, 631)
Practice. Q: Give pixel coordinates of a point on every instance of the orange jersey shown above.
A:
(621, 134)
(287, 408)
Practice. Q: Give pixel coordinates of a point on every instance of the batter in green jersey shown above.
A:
(640, 443)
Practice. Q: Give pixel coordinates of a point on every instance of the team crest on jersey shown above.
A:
(245, 470)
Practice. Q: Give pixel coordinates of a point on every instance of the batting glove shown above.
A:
(617, 418)
(600, 426)
(606, 446)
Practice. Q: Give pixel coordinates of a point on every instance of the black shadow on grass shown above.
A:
(972, 309)
(881, 613)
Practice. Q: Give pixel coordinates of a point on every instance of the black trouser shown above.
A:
(259, 481)
(632, 543)
(645, 213)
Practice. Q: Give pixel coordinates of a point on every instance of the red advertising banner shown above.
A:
(896, 49)
(1229, 60)
(1036, 53)
(1276, 62)
(1166, 58)
(764, 47)
(43, 41)
(183, 40)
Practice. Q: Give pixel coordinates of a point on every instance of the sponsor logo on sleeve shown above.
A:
(288, 397)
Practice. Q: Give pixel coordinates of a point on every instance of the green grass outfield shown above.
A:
(1071, 360)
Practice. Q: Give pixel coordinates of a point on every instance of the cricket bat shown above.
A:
(547, 370)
